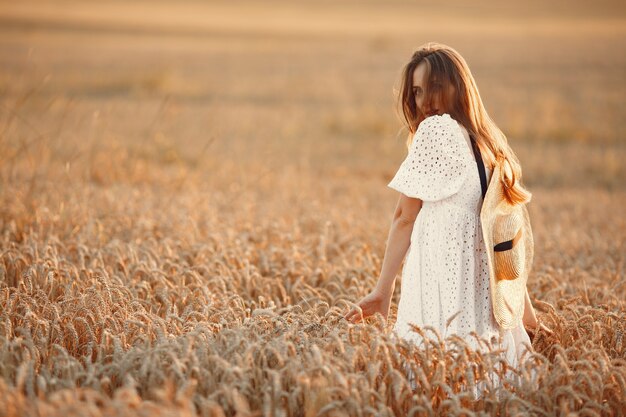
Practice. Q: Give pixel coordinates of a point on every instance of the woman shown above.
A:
(445, 281)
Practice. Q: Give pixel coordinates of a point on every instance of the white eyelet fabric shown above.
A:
(446, 270)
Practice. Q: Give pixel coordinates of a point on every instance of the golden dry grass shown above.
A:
(187, 209)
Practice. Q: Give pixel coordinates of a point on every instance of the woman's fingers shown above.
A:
(357, 316)
(532, 333)
(354, 315)
(364, 308)
(545, 328)
(348, 316)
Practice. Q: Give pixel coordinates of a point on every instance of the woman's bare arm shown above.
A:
(398, 242)
(379, 299)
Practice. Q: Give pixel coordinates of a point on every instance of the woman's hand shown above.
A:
(533, 330)
(375, 302)
(398, 243)
(532, 325)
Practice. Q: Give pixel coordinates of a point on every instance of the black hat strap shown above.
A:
(481, 166)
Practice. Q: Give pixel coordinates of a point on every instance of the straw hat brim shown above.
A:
(508, 295)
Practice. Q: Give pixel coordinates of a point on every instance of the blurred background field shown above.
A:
(225, 156)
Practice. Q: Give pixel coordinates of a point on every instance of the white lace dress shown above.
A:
(446, 270)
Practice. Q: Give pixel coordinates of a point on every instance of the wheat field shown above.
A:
(194, 193)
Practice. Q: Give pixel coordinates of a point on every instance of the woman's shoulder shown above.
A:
(440, 133)
(437, 165)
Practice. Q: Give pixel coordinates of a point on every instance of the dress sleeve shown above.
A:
(438, 161)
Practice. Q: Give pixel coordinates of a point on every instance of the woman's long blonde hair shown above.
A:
(448, 67)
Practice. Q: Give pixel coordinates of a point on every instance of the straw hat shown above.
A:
(509, 242)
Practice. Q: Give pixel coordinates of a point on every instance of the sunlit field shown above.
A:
(194, 194)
